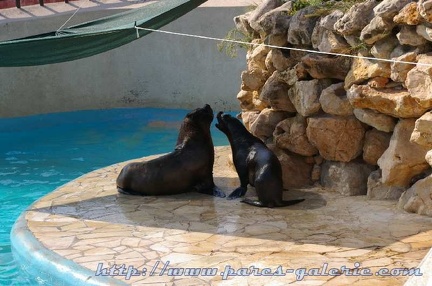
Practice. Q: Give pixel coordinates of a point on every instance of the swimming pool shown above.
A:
(39, 153)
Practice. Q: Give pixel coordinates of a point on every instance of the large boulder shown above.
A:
(337, 138)
(305, 95)
(383, 48)
(377, 29)
(377, 120)
(389, 8)
(349, 179)
(290, 134)
(334, 101)
(422, 133)
(375, 144)
(266, 122)
(408, 36)
(277, 60)
(324, 66)
(408, 15)
(356, 18)
(296, 169)
(425, 9)
(418, 198)
(403, 159)
(391, 101)
(248, 117)
(325, 39)
(275, 21)
(376, 190)
(419, 81)
(253, 79)
(301, 26)
(263, 8)
(256, 58)
(363, 69)
(275, 93)
(399, 71)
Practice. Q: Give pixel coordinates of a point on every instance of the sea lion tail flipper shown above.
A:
(253, 203)
(290, 203)
(237, 193)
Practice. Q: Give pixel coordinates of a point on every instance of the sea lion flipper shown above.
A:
(212, 191)
(218, 192)
(253, 203)
(237, 193)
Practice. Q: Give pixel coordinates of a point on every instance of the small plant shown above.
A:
(234, 40)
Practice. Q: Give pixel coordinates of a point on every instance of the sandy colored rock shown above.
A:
(334, 101)
(425, 9)
(253, 79)
(305, 95)
(275, 93)
(242, 23)
(296, 169)
(403, 159)
(399, 71)
(422, 133)
(256, 58)
(295, 74)
(364, 69)
(324, 66)
(377, 29)
(390, 8)
(418, 198)
(356, 18)
(408, 36)
(337, 138)
(275, 21)
(263, 8)
(376, 190)
(248, 117)
(428, 157)
(277, 60)
(290, 134)
(378, 82)
(375, 144)
(266, 122)
(408, 15)
(349, 179)
(301, 26)
(383, 48)
(377, 120)
(391, 101)
(419, 81)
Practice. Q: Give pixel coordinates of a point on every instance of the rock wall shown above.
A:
(360, 126)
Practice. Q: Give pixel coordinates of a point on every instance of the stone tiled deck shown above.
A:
(88, 222)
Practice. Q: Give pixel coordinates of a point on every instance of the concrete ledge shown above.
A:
(53, 269)
(70, 232)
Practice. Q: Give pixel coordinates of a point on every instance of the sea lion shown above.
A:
(255, 164)
(188, 168)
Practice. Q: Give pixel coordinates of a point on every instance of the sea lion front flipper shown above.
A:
(237, 193)
(253, 203)
(218, 192)
(212, 191)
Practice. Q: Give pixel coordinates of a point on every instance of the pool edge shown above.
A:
(39, 261)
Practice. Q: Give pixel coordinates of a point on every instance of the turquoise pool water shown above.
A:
(40, 153)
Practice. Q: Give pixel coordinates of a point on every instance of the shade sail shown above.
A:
(92, 37)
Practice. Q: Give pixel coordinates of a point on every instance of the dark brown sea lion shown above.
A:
(255, 164)
(188, 168)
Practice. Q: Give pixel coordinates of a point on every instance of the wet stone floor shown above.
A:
(228, 242)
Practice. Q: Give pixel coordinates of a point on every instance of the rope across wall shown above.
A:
(279, 47)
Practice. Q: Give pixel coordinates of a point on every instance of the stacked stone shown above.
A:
(356, 125)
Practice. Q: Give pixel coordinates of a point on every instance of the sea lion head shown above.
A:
(198, 119)
(227, 123)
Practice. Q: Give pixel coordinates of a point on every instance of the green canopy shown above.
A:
(92, 37)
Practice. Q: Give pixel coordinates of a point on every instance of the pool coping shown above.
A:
(48, 265)
(58, 270)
